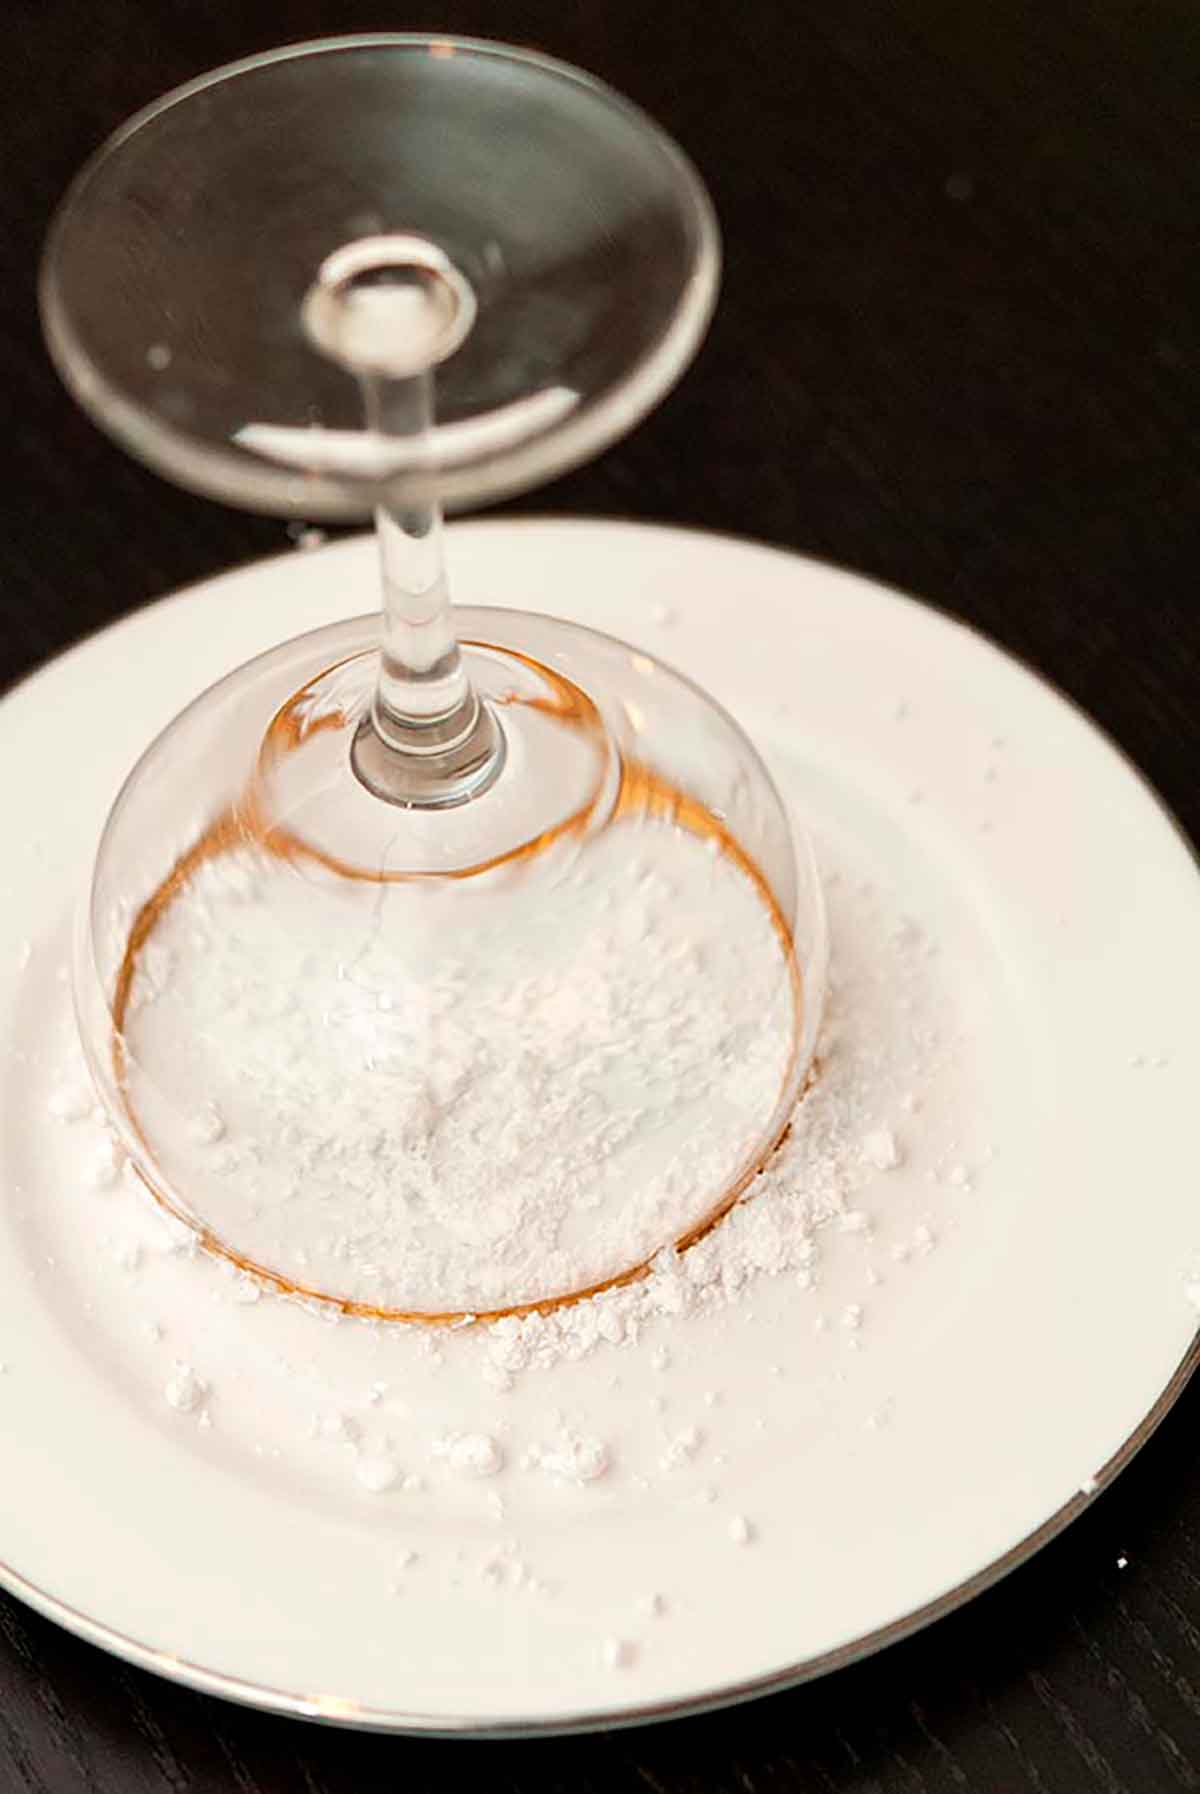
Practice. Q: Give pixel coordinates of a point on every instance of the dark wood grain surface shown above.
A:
(959, 349)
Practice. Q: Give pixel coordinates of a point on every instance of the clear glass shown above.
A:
(584, 233)
(460, 967)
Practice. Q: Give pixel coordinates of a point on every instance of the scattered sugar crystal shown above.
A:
(470, 1454)
(1122, 1562)
(959, 1176)
(617, 1653)
(880, 1149)
(573, 1457)
(1088, 1486)
(660, 1358)
(377, 1471)
(185, 1390)
(682, 1448)
(651, 1607)
(247, 1290)
(740, 1530)
(852, 1315)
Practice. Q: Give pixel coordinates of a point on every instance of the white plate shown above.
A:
(1016, 1367)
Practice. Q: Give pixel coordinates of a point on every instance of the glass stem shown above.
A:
(431, 742)
(423, 699)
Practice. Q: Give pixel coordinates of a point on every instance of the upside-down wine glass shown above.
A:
(407, 969)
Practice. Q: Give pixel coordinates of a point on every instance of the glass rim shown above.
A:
(225, 474)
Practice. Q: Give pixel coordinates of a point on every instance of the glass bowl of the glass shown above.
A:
(177, 268)
(428, 1095)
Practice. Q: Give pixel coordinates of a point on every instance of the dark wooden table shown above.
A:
(959, 349)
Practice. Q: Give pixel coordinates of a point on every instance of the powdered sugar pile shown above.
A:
(889, 1035)
(464, 1098)
(878, 1048)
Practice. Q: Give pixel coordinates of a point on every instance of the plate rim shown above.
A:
(395, 1722)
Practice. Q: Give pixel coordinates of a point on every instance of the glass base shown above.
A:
(431, 779)
(424, 1065)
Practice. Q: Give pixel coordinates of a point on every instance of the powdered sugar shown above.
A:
(682, 1448)
(875, 1045)
(377, 1472)
(462, 1099)
(185, 1390)
(470, 1454)
(571, 1457)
